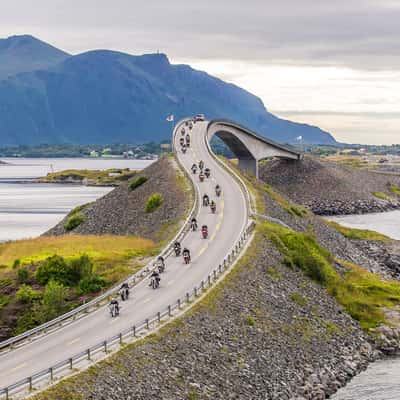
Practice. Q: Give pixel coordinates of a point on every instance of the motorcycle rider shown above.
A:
(201, 164)
(194, 168)
(181, 141)
(204, 231)
(213, 206)
(186, 255)
(201, 176)
(155, 275)
(114, 307)
(206, 200)
(193, 224)
(187, 140)
(124, 291)
(218, 190)
(207, 172)
(161, 264)
(177, 248)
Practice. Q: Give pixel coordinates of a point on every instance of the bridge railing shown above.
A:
(86, 308)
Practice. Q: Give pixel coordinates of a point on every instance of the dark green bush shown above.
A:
(53, 268)
(16, 263)
(26, 294)
(80, 268)
(53, 303)
(22, 275)
(153, 202)
(91, 284)
(137, 182)
(73, 221)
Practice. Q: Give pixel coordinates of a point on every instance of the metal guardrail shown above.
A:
(132, 280)
(135, 330)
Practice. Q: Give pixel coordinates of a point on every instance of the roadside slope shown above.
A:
(122, 211)
(328, 188)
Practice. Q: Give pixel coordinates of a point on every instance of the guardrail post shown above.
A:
(209, 280)
(30, 383)
(215, 274)
(6, 390)
(169, 311)
(187, 297)
(179, 303)
(133, 330)
(105, 346)
(220, 268)
(88, 354)
(51, 374)
(195, 291)
(70, 363)
(120, 338)
(159, 317)
(147, 323)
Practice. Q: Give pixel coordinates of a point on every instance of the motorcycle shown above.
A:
(182, 131)
(114, 310)
(181, 141)
(177, 251)
(213, 208)
(206, 201)
(218, 192)
(201, 177)
(193, 226)
(186, 258)
(187, 140)
(194, 170)
(204, 232)
(183, 149)
(124, 293)
(207, 172)
(154, 283)
(161, 267)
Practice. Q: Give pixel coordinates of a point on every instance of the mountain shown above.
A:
(25, 53)
(109, 97)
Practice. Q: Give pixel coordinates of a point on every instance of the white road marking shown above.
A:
(169, 283)
(146, 300)
(73, 341)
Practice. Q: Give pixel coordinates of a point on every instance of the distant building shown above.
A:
(93, 153)
(165, 146)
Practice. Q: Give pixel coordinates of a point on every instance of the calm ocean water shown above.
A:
(29, 209)
(381, 381)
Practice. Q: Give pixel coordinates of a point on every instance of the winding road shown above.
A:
(224, 229)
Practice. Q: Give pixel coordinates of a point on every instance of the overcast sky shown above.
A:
(333, 63)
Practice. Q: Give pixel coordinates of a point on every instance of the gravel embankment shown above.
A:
(328, 188)
(122, 211)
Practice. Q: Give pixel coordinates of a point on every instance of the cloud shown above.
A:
(361, 34)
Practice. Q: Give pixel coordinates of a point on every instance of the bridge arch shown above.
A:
(247, 146)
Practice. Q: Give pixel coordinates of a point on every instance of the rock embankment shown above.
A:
(122, 211)
(328, 188)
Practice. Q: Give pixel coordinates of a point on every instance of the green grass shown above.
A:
(362, 293)
(295, 210)
(358, 234)
(381, 195)
(153, 202)
(139, 181)
(297, 298)
(96, 177)
(73, 221)
(394, 189)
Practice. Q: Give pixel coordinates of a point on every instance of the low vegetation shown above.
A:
(358, 234)
(73, 221)
(139, 181)
(153, 202)
(381, 196)
(41, 278)
(111, 176)
(364, 295)
(394, 189)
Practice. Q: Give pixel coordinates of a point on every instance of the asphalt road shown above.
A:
(224, 229)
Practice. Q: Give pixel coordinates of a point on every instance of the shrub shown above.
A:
(91, 284)
(381, 195)
(250, 320)
(4, 300)
(394, 189)
(79, 268)
(53, 303)
(16, 263)
(153, 202)
(73, 221)
(300, 300)
(137, 182)
(358, 234)
(53, 268)
(22, 275)
(26, 294)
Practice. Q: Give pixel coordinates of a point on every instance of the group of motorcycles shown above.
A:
(160, 263)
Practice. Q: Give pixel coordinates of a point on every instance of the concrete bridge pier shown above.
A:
(249, 165)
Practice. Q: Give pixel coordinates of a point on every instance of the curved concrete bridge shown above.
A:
(248, 147)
